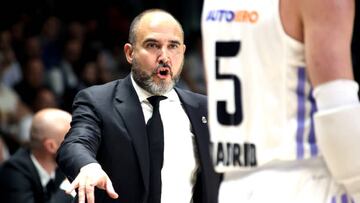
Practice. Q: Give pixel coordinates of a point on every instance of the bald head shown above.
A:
(49, 123)
(150, 18)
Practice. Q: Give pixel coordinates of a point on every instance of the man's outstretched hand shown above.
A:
(91, 176)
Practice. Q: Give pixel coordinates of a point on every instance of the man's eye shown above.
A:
(173, 46)
(152, 45)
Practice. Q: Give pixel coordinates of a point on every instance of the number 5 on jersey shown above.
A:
(226, 50)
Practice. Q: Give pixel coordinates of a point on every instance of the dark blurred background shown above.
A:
(356, 43)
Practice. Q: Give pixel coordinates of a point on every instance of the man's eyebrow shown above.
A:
(154, 40)
(150, 40)
(175, 42)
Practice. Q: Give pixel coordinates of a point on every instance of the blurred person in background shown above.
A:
(11, 70)
(64, 76)
(31, 174)
(12, 112)
(51, 42)
(33, 80)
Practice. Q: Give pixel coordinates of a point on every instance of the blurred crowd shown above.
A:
(48, 67)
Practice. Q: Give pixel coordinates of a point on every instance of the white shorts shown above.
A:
(306, 181)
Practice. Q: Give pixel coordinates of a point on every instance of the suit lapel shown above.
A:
(198, 118)
(128, 105)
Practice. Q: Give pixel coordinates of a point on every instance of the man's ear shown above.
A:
(50, 145)
(129, 52)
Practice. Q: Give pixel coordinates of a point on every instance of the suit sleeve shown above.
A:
(83, 139)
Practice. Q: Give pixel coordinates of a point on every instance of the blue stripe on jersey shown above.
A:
(301, 99)
(333, 199)
(344, 198)
(312, 138)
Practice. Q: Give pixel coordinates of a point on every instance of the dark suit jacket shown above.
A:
(20, 182)
(108, 127)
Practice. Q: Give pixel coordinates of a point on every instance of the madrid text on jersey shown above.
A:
(243, 16)
(235, 154)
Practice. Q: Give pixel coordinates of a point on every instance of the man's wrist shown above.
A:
(92, 166)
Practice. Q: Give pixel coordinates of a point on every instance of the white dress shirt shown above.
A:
(43, 174)
(180, 164)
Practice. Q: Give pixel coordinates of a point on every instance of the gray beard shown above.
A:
(146, 81)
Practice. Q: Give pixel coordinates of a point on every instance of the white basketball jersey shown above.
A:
(260, 102)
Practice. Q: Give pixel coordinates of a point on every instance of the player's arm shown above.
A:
(327, 28)
(327, 33)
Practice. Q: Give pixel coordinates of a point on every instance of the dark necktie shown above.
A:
(49, 189)
(155, 135)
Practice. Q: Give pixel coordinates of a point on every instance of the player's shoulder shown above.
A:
(319, 7)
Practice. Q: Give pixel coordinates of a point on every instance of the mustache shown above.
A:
(163, 65)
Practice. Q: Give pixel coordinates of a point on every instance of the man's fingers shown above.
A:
(81, 192)
(73, 185)
(110, 189)
(91, 176)
(89, 189)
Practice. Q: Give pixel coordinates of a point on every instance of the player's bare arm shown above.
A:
(325, 27)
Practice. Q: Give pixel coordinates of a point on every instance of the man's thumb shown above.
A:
(110, 189)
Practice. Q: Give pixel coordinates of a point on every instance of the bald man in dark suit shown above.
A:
(108, 146)
(31, 174)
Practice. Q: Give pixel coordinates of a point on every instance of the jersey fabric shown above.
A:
(261, 108)
(303, 181)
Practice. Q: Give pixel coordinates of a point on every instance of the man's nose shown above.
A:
(164, 55)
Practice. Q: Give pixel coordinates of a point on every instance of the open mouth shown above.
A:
(163, 72)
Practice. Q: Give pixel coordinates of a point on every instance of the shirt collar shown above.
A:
(43, 174)
(143, 94)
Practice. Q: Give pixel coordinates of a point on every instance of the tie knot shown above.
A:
(155, 100)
